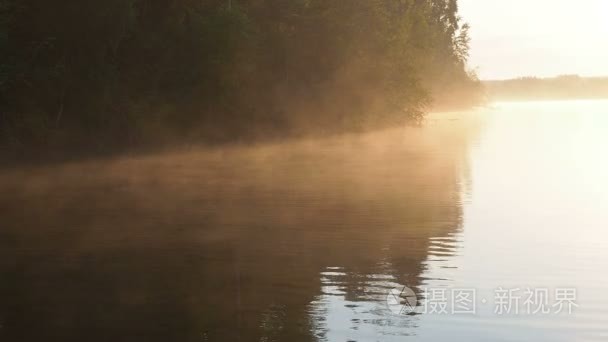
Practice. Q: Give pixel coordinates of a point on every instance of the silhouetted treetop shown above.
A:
(116, 73)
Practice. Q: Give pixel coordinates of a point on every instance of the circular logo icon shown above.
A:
(401, 300)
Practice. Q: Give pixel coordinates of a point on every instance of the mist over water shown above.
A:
(302, 240)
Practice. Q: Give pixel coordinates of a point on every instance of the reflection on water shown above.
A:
(302, 241)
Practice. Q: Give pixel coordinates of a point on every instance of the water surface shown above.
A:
(303, 240)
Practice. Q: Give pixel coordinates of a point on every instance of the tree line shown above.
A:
(96, 75)
(552, 88)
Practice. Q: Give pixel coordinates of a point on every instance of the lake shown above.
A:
(496, 219)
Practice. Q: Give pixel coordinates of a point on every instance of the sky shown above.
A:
(543, 38)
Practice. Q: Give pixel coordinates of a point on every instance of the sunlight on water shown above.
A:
(305, 240)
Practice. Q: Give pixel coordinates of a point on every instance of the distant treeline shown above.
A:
(561, 87)
(97, 75)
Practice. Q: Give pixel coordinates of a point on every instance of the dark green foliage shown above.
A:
(90, 74)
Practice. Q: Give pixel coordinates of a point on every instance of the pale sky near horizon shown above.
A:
(513, 38)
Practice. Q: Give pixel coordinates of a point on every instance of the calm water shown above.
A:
(303, 241)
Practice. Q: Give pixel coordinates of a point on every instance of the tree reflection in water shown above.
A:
(291, 241)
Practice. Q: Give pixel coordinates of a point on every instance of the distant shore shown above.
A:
(568, 87)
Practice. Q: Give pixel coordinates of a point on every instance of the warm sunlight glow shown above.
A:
(304, 170)
(537, 38)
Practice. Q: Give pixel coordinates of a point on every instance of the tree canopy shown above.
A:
(89, 74)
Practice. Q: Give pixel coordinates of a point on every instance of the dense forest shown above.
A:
(561, 87)
(91, 76)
